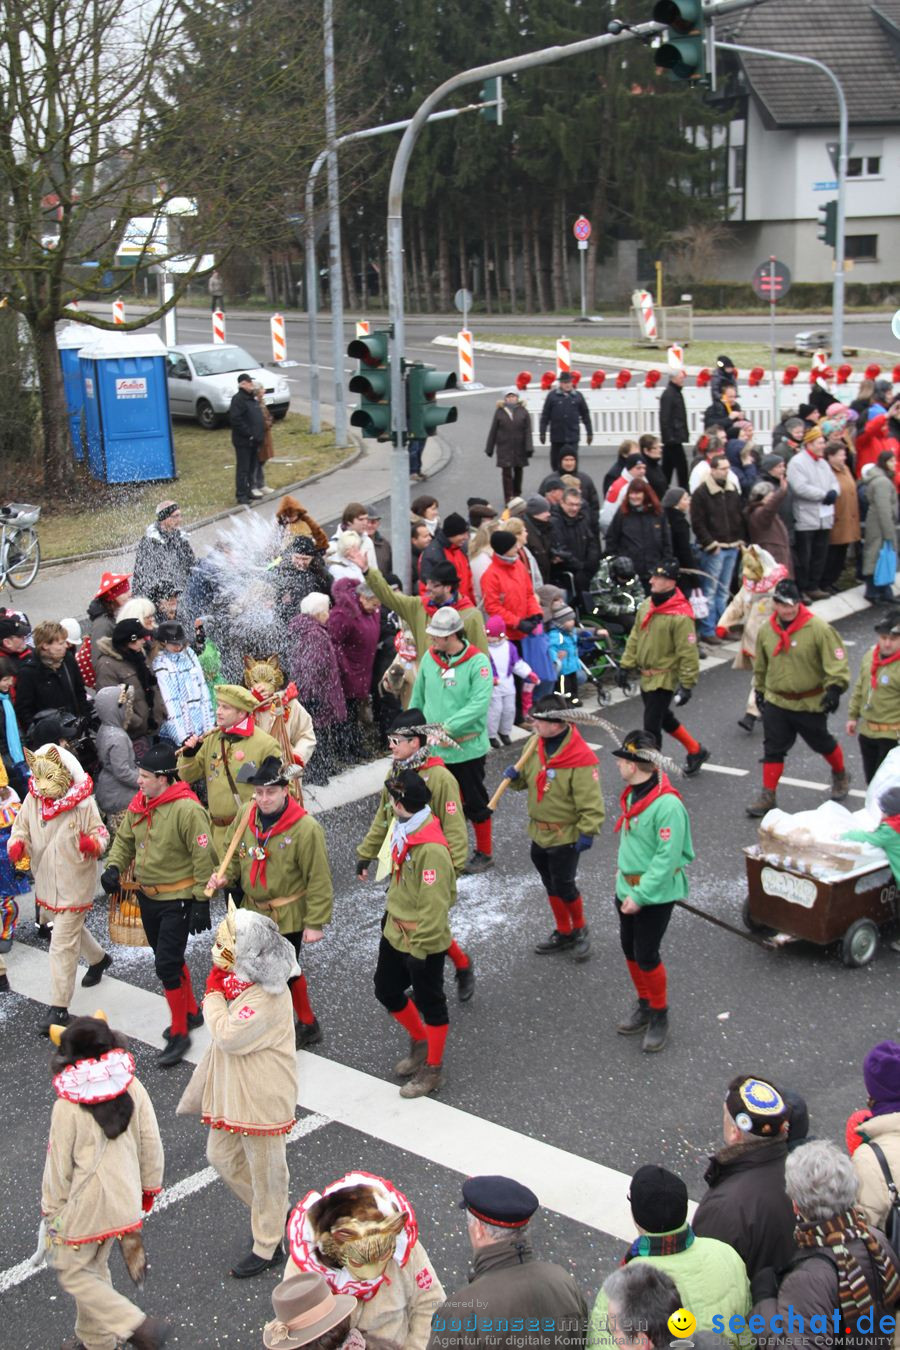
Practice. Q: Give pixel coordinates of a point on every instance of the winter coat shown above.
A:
(102, 622)
(746, 1204)
(766, 527)
(590, 496)
(673, 420)
(162, 555)
(439, 550)
(718, 414)
(183, 688)
(874, 1198)
(297, 861)
(421, 892)
(112, 667)
(876, 707)
(680, 532)
(92, 1208)
(340, 567)
(446, 807)
(642, 536)
(416, 613)
(561, 415)
(507, 591)
(315, 671)
(64, 877)
(575, 542)
(664, 649)
(748, 610)
(510, 436)
(354, 636)
(248, 426)
(815, 659)
(872, 438)
(39, 686)
(299, 729)
(117, 780)
(572, 800)
(655, 476)
(510, 1288)
(717, 515)
(811, 480)
(880, 527)
(384, 556)
(540, 543)
(845, 529)
(173, 846)
(456, 691)
(294, 584)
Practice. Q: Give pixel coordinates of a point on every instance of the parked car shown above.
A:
(202, 380)
(812, 340)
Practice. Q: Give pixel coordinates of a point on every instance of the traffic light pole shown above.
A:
(837, 297)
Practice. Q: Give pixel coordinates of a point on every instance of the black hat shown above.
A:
(454, 524)
(244, 377)
(503, 542)
(552, 483)
(659, 1199)
(160, 759)
(270, 773)
(786, 592)
(445, 574)
(724, 363)
(13, 628)
(52, 725)
(889, 623)
(889, 802)
(161, 590)
(798, 1114)
(301, 543)
(633, 745)
(171, 631)
(129, 630)
(499, 1200)
(476, 501)
(667, 568)
(564, 376)
(632, 461)
(410, 789)
(408, 723)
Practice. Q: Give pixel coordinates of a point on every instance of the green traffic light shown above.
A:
(424, 414)
(682, 56)
(682, 15)
(372, 382)
(371, 350)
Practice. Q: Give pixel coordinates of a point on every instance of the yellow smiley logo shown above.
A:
(682, 1323)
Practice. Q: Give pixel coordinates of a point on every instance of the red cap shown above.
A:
(113, 583)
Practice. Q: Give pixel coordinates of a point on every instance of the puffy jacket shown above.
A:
(810, 481)
(117, 781)
(874, 1198)
(642, 536)
(716, 515)
(747, 1206)
(354, 635)
(507, 591)
(872, 438)
(439, 550)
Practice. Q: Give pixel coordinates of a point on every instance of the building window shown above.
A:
(861, 247)
(864, 166)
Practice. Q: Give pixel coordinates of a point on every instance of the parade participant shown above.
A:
(799, 675)
(289, 879)
(103, 1171)
(279, 711)
(453, 688)
(875, 701)
(245, 1086)
(182, 685)
(410, 739)
(360, 1234)
(565, 812)
(235, 743)
(750, 608)
(442, 589)
(13, 881)
(415, 933)
(60, 829)
(165, 833)
(662, 645)
(655, 847)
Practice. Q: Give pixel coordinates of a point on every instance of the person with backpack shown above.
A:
(881, 1135)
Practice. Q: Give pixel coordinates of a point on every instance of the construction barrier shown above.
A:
(363, 328)
(279, 341)
(643, 305)
(218, 326)
(563, 355)
(118, 311)
(466, 354)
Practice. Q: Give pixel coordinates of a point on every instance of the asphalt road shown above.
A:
(537, 1082)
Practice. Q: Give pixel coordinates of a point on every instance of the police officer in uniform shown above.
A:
(875, 701)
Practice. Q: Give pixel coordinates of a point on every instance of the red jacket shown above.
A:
(871, 440)
(507, 590)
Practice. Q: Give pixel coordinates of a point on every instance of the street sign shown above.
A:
(771, 280)
(463, 300)
(895, 325)
(833, 148)
(582, 244)
(827, 185)
(582, 228)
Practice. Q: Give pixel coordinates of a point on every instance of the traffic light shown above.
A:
(423, 413)
(683, 49)
(492, 89)
(373, 382)
(827, 230)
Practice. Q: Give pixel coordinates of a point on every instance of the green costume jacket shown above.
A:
(885, 837)
(296, 861)
(446, 807)
(422, 890)
(209, 763)
(415, 615)
(663, 647)
(564, 795)
(815, 658)
(456, 692)
(655, 846)
(877, 707)
(173, 842)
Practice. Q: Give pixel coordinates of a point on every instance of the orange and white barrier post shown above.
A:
(279, 341)
(563, 355)
(218, 326)
(648, 316)
(118, 311)
(466, 357)
(675, 356)
(363, 328)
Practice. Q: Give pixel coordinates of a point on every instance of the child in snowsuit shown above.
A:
(563, 644)
(13, 880)
(506, 663)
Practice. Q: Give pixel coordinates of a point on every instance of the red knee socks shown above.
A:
(771, 775)
(656, 985)
(177, 1002)
(836, 759)
(435, 1036)
(638, 979)
(576, 911)
(190, 1001)
(410, 1020)
(458, 956)
(684, 737)
(300, 1000)
(483, 840)
(561, 914)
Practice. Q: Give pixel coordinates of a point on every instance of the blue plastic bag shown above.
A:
(886, 566)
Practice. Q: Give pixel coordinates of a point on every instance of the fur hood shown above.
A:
(261, 955)
(519, 403)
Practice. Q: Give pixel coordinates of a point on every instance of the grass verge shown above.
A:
(745, 355)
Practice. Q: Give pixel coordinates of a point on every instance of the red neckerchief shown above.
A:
(676, 604)
(466, 655)
(663, 788)
(292, 812)
(432, 762)
(461, 602)
(784, 635)
(244, 728)
(57, 806)
(893, 823)
(142, 807)
(232, 987)
(283, 697)
(574, 753)
(879, 661)
(429, 833)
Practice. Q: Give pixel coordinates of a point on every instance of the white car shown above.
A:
(202, 380)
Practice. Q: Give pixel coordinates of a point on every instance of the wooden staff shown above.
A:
(520, 764)
(229, 852)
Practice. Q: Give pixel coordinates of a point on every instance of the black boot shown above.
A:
(94, 974)
(54, 1017)
(581, 944)
(307, 1033)
(657, 1032)
(465, 982)
(194, 1020)
(251, 1264)
(174, 1052)
(556, 942)
(695, 761)
(748, 723)
(638, 1021)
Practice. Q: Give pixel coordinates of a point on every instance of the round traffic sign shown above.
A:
(771, 280)
(463, 300)
(582, 228)
(895, 325)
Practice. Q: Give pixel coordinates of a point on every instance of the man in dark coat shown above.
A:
(563, 409)
(539, 523)
(673, 429)
(568, 464)
(164, 553)
(248, 430)
(574, 544)
(510, 436)
(509, 1286)
(746, 1204)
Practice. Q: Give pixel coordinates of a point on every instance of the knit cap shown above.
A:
(503, 542)
(454, 524)
(537, 505)
(812, 434)
(756, 1107)
(881, 1072)
(560, 613)
(494, 626)
(659, 1199)
(672, 496)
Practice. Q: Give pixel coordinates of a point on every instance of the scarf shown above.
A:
(57, 806)
(835, 1234)
(784, 635)
(673, 604)
(241, 729)
(292, 812)
(467, 654)
(13, 739)
(459, 600)
(878, 661)
(142, 807)
(419, 759)
(660, 788)
(401, 832)
(574, 753)
(659, 1244)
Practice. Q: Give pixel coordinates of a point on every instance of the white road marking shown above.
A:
(724, 768)
(817, 787)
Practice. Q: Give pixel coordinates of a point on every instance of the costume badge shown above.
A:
(692, 637)
(839, 653)
(451, 806)
(595, 774)
(485, 672)
(245, 1014)
(259, 854)
(429, 876)
(203, 840)
(665, 833)
(885, 679)
(424, 1280)
(239, 754)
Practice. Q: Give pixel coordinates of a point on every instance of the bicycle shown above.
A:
(20, 548)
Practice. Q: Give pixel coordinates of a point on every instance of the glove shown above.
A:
(532, 678)
(362, 865)
(543, 438)
(526, 625)
(830, 496)
(623, 677)
(831, 698)
(198, 919)
(511, 772)
(189, 751)
(721, 632)
(147, 1198)
(215, 981)
(109, 880)
(760, 699)
(583, 843)
(590, 438)
(15, 850)
(89, 846)
(682, 696)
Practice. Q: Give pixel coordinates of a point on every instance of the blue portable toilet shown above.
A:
(70, 341)
(126, 408)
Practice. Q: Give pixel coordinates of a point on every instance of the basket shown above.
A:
(125, 927)
(22, 513)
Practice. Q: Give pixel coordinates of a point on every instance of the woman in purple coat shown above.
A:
(354, 627)
(315, 671)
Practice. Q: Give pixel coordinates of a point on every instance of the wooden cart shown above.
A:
(848, 908)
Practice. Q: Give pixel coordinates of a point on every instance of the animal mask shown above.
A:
(358, 1234)
(263, 673)
(226, 940)
(52, 779)
(126, 703)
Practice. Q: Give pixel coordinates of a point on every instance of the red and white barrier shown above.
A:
(675, 357)
(643, 305)
(466, 353)
(279, 341)
(218, 326)
(118, 311)
(563, 355)
(363, 328)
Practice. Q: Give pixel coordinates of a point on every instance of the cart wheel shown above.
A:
(752, 924)
(859, 943)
